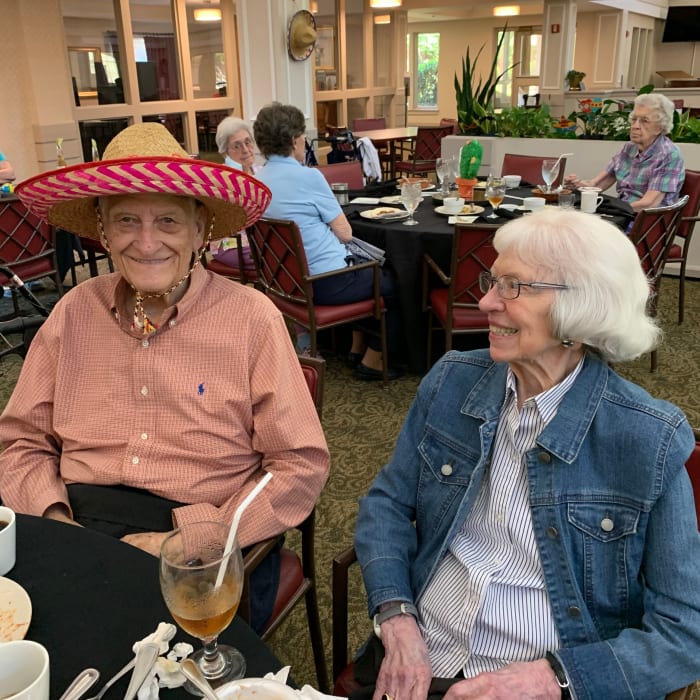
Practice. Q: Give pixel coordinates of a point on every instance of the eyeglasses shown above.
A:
(240, 146)
(509, 287)
(643, 121)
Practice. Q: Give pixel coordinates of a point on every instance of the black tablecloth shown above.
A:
(93, 596)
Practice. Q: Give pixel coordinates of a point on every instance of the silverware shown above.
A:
(191, 671)
(113, 680)
(146, 656)
(84, 680)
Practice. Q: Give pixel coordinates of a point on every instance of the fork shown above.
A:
(113, 680)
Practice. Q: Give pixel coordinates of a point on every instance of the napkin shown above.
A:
(307, 691)
(461, 219)
(365, 200)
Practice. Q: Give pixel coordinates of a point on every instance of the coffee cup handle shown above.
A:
(598, 201)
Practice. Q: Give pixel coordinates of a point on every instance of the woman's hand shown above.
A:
(405, 673)
(533, 680)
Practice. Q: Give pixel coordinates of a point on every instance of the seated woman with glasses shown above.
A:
(234, 139)
(649, 171)
(534, 534)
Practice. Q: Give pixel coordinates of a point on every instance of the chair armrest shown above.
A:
(428, 265)
(341, 564)
(343, 270)
(251, 561)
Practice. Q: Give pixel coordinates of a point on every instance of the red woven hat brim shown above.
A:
(66, 197)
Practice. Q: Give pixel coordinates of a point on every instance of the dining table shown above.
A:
(393, 137)
(405, 247)
(93, 596)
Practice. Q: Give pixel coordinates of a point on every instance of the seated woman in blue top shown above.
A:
(303, 195)
(536, 519)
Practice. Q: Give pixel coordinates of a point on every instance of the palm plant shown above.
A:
(475, 100)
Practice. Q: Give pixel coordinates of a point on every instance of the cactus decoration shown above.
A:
(470, 159)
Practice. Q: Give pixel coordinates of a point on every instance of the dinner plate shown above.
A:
(15, 610)
(467, 210)
(255, 689)
(384, 214)
(394, 199)
(509, 207)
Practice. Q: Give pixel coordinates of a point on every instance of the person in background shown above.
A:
(7, 172)
(649, 170)
(534, 534)
(304, 196)
(160, 394)
(234, 139)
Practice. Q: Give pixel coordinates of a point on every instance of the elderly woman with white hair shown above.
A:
(534, 534)
(649, 170)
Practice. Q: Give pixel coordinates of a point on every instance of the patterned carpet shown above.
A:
(361, 421)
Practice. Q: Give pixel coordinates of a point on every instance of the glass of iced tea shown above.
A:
(190, 560)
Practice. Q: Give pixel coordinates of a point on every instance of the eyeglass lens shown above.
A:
(508, 287)
(238, 146)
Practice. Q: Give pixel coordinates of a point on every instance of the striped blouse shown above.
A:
(487, 605)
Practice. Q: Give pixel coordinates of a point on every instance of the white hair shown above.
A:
(661, 106)
(227, 128)
(605, 307)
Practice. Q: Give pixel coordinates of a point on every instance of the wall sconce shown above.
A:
(383, 4)
(207, 14)
(382, 19)
(506, 10)
(313, 7)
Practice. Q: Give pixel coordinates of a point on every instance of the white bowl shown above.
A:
(256, 689)
(512, 180)
(453, 205)
(533, 203)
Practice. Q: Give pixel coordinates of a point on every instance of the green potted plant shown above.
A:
(475, 99)
(573, 79)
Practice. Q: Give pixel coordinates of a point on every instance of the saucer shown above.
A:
(15, 610)
(256, 689)
(466, 210)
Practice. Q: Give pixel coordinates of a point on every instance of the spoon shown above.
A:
(191, 671)
(84, 680)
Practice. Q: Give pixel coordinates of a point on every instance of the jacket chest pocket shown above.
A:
(604, 522)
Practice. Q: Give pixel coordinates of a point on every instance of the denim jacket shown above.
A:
(612, 509)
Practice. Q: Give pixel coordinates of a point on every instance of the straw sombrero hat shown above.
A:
(144, 159)
(301, 37)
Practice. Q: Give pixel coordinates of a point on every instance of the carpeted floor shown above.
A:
(361, 421)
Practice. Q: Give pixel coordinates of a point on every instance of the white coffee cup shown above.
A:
(512, 180)
(533, 203)
(24, 671)
(453, 205)
(590, 200)
(7, 540)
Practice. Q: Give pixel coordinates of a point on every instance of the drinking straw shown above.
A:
(234, 524)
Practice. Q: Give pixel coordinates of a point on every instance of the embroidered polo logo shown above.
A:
(200, 389)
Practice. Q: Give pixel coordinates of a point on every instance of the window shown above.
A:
(426, 58)
(524, 47)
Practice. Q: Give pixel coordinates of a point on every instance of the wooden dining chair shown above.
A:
(297, 573)
(679, 251)
(350, 172)
(530, 168)
(653, 233)
(425, 149)
(240, 273)
(454, 301)
(383, 148)
(283, 274)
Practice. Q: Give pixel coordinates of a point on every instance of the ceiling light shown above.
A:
(382, 19)
(382, 4)
(207, 14)
(313, 7)
(506, 10)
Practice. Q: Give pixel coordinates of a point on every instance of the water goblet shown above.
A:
(550, 172)
(442, 170)
(190, 560)
(495, 192)
(411, 195)
(452, 172)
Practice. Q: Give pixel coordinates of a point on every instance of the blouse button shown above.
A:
(446, 469)
(574, 611)
(544, 457)
(607, 525)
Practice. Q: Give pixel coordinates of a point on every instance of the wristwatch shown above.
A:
(393, 611)
(560, 674)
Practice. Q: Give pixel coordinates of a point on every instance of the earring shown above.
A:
(567, 343)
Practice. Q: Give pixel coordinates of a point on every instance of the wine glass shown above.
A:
(411, 195)
(495, 192)
(452, 171)
(442, 170)
(550, 172)
(190, 559)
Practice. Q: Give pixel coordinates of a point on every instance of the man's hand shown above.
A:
(148, 541)
(60, 512)
(533, 680)
(405, 673)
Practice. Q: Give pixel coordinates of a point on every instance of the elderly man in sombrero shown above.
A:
(162, 393)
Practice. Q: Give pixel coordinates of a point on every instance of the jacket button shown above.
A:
(544, 457)
(446, 469)
(607, 525)
(574, 611)
(552, 532)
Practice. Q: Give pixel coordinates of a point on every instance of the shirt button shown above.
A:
(552, 532)
(574, 611)
(145, 343)
(446, 469)
(144, 391)
(144, 436)
(544, 457)
(607, 525)
(134, 460)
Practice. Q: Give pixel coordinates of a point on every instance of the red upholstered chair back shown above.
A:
(693, 467)
(691, 187)
(369, 124)
(472, 253)
(428, 144)
(350, 171)
(529, 168)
